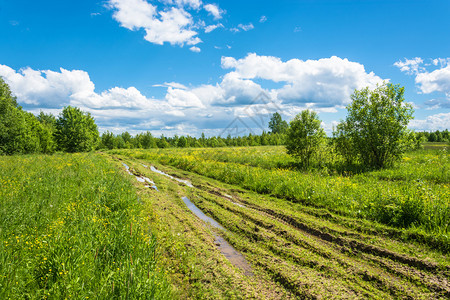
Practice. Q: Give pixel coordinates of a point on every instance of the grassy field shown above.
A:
(297, 248)
(413, 196)
(80, 226)
(71, 227)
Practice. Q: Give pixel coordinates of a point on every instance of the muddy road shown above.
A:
(288, 250)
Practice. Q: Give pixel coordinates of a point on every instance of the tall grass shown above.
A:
(414, 195)
(70, 228)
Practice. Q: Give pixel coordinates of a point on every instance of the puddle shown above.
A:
(186, 182)
(200, 214)
(232, 255)
(141, 178)
(127, 168)
(231, 200)
(236, 258)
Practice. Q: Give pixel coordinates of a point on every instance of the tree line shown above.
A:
(373, 134)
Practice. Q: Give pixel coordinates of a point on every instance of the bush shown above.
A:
(76, 131)
(305, 136)
(376, 126)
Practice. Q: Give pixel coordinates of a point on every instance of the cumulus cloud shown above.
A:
(175, 25)
(323, 85)
(428, 81)
(440, 121)
(262, 19)
(410, 66)
(214, 10)
(326, 82)
(435, 81)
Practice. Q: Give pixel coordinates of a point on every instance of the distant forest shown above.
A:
(73, 130)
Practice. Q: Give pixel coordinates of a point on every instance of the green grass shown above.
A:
(414, 195)
(71, 227)
(295, 250)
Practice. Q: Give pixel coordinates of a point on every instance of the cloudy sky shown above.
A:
(192, 66)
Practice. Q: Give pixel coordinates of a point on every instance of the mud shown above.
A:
(236, 258)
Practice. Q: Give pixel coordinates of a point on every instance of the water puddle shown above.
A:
(186, 182)
(200, 214)
(232, 255)
(127, 168)
(225, 248)
(141, 178)
(231, 200)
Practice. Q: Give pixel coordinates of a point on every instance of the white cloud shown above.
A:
(174, 25)
(210, 28)
(428, 82)
(410, 66)
(56, 89)
(247, 27)
(214, 10)
(195, 49)
(133, 14)
(195, 4)
(436, 81)
(322, 85)
(171, 84)
(327, 81)
(262, 19)
(435, 122)
(46, 87)
(182, 98)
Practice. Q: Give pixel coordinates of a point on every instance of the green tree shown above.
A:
(376, 125)
(76, 131)
(182, 142)
(20, 131)
(108, 140)
(277, 125)
(305, 137)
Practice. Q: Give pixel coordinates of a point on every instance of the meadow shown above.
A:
(71, 226)
(412, 197)
(295, 249)
(81, 226)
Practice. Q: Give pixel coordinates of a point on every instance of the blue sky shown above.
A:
(192, 66)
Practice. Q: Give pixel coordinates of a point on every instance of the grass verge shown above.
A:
(71, 227)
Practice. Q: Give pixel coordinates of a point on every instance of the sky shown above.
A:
(223, 67)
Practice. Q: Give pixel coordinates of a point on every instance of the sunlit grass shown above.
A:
(413, 195)
(70, 227)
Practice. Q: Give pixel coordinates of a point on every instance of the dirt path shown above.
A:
(294, 251)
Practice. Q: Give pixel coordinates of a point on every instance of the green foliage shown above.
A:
(108, 140)
(20, 131)
(305, 136)
(376, 126)
(413, 195)
(277, 124)
(76, 131)
(71, 227)
(182, 142)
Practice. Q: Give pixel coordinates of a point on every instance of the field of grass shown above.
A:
(71, 227)
(412, 197)
(296, 250)
(80, 226)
